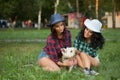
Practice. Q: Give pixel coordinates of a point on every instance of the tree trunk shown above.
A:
(113, 14)
(56, 5)
(77, 8)
(39, 18)
(97, 9)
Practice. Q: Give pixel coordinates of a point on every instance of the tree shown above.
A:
(40, 4)
(117, 6)
(44, 6)
(56, 5)
(7, 8)
(29, 9)
(113, 13)
(26, 9)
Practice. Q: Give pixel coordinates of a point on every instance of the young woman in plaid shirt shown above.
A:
(60, 37)
(88, 41)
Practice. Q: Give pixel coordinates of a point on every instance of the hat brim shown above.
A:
(55, 22)
(89, 26)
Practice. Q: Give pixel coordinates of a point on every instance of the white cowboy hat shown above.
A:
(94, 25)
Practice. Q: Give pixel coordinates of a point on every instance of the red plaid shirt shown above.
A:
(54, 45)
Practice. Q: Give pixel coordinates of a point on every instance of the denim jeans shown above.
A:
(43, 54)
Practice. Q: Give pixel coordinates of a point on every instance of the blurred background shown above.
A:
(36, 13)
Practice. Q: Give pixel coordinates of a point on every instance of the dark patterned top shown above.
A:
(83, 46)
(54, 45)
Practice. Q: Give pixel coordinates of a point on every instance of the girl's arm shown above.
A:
(66, 63)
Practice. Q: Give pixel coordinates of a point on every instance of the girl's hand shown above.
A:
(75, 61)
(68, 62)
(77, 51)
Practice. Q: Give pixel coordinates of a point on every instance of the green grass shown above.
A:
(18, 60)
(23, 34)
(14, 34)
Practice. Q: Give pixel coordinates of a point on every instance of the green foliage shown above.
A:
(28, 9)
(63, 8)
(117, 3)
(24, 9)
(7, 8)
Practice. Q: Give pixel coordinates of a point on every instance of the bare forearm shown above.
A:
(65, 63)
(60, 63)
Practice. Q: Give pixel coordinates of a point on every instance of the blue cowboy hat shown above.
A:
(55, 18)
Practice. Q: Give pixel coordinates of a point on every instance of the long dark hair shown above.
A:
(54, 33)
(97, 39)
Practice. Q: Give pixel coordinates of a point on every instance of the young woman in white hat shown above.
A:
(87, 42)
(50, 57)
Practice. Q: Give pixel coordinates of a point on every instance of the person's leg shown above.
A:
(94, 61)
(47, 64)
(84, 63)
(85, 60)
(79, 61)
(88, 61)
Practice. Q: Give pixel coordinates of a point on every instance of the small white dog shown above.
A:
(68, 53)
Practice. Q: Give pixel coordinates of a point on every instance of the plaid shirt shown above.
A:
(54, 45)
(83, 46)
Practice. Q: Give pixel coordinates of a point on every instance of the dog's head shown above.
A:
(68, 52)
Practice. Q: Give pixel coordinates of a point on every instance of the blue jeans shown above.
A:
(43, 54)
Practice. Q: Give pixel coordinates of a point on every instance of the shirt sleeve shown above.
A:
(68, 39)
(75, 43)
(51, 50)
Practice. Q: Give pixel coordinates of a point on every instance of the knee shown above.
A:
(39, 62)
(97, 64)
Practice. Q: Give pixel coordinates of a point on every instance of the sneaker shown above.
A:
(86, 71)
(93, 72)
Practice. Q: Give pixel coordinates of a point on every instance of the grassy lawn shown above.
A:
(18, 59)
(23, 34)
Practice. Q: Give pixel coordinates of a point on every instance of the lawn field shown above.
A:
(18, 60)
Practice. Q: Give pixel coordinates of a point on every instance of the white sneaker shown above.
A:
(86, 72)
(93, 72)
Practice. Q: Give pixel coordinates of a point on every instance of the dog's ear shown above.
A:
(63, 50)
